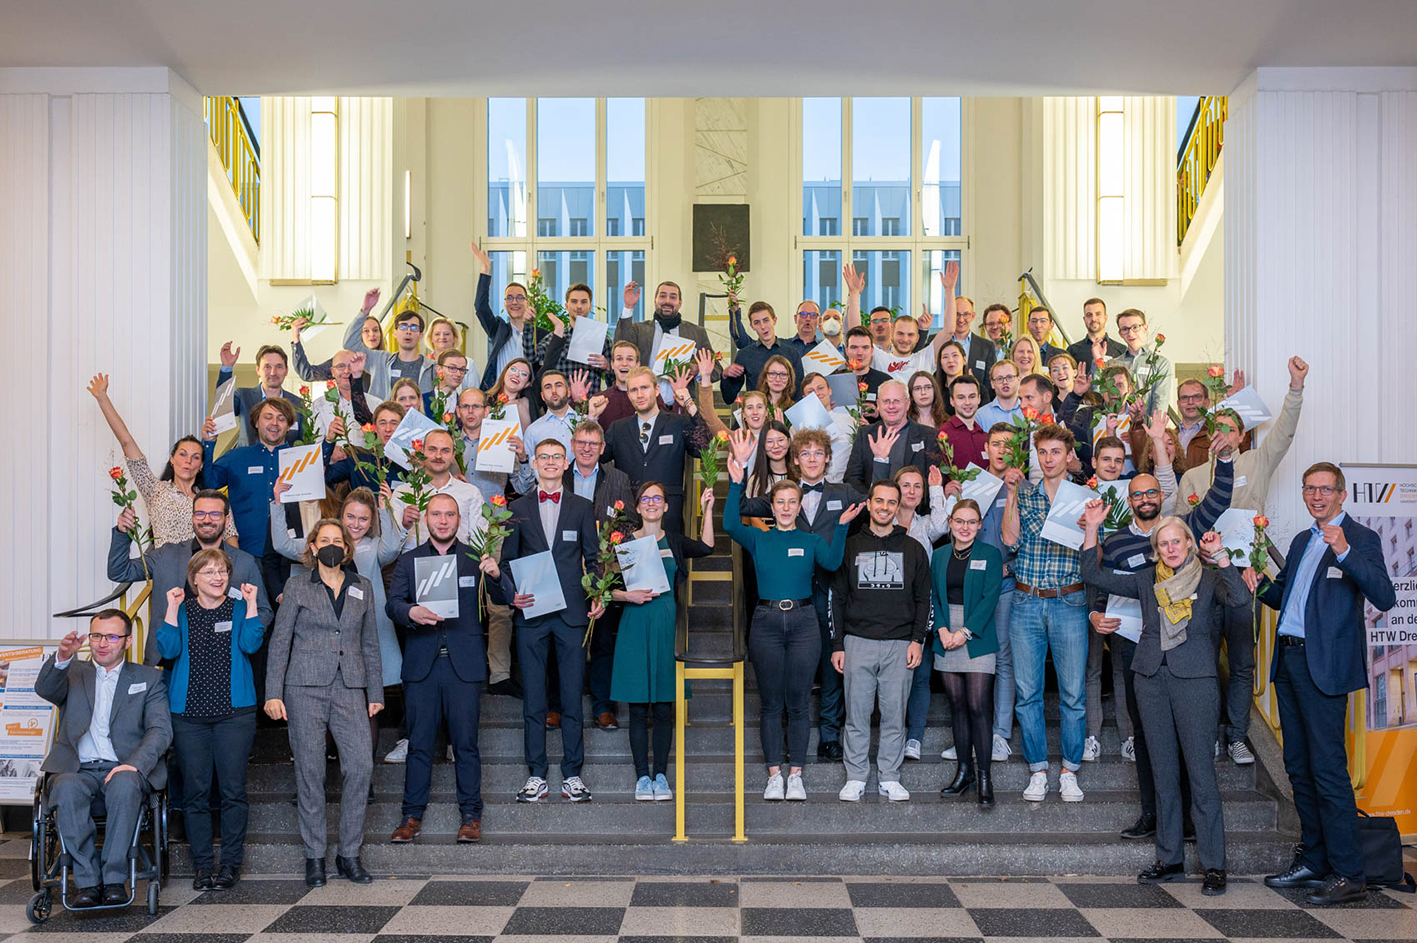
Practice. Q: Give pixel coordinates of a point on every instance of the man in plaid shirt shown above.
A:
(1049, 612)
(551, 349)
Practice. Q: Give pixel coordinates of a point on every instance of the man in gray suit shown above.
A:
(646, 335)
(109, 741)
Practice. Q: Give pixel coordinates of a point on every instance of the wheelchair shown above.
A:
(51, 864)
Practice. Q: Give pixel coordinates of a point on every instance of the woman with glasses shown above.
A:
(169, 496)
(786, 641)
(965, 578)
(643, 669)
(514, 384)
(778, 382)
(927, 404)
(212, 695)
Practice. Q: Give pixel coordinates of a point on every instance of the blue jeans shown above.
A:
(1059, 625)
(919, 704)
(1004, 663)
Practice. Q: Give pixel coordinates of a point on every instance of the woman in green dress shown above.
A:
(643, 672)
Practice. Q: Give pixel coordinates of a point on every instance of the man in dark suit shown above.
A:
(555, 519)
(1096, 345)
(109, 742)
(822, 504)
(653, 445)
(646, 335)
(272, 366)
(883, 448)
(444, 668)
(1321, 657)
(518, 336)
(1040, 326)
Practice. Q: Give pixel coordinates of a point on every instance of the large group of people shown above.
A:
(870, 574)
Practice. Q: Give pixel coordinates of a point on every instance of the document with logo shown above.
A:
(535, 575)
(414, 425)
(494, 446)
(303, 468)
(1061, 526)
(1236, 527)
(1248, 406)
(844, 387)
(224, 406)
(587, 337)
(823, 359)
(809, 413)
(436, 584)
(642, 566)
(1129, 611)
(671, 347)
(981, 490)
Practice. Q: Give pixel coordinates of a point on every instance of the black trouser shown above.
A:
(598, 671)
(971, 696)
(663, 712)
(221, 746)
(1146, 779)
(785, 649)
(428, 702)
(1240, 653)
(534, 640)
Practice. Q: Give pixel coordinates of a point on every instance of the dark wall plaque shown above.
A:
(721, 230)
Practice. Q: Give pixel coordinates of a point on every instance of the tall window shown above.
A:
(575, 168)
(891, 168)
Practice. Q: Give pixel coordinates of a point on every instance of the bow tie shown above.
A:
(808, 489)
(553, 498)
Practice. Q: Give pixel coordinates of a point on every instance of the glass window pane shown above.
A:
(624, 166)
(888, 280)
(940, 165)
(880, 166)
(565, 166)
(620, 268)
(506, 267)
(506, 167)
(934, 291)
(821, 166)
(561, 270)
(821, 277)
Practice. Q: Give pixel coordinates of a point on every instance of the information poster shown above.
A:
(26, 724)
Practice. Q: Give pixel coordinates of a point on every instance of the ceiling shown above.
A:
(758, 48)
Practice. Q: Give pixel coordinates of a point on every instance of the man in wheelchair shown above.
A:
(113, 729)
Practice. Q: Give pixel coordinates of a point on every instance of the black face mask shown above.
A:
(330, 555)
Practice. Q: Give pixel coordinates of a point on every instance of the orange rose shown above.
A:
(367, 427)
(1030, 413)
(115, 473)
(860, 387)
(275, 321)
(1216, 370)
(1046, 417)
(447, 417)
(329, 384)
(619, 505)
(616, 537)
(1261, 521)
(1193, 500)
(1100, 362)
(1160, 339)
(502, 399)
(417, 445)
(498, 500)
(536, 273)
(733, 260)
(305, 391)
(722, 435)
(1092, 482)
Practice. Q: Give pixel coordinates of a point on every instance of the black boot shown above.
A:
(986, 789)
(964, 778)
(314, 872)
(353, 869)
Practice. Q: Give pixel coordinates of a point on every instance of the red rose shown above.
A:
(305, 391)
(1160, 339)
(1100, 362)
(498, 500)
(1261, 521)
(1216, 370)
(1193, 500)
(417, 445)
(619, 505)
(944, 437)
(856, 364)
(115, 473)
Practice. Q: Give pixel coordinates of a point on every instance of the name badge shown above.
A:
(467, 582)
(1334, 573)
(222, 627)
(290, 532)
(916, 446)
(870, 397)
(233, 592)
(976, 564)
(610, 510)
(833, 505)
(666, 553)
(1240, 481)
(356, 593)
(1136, 560)
(255, 470)
(666, 440)
(979, 365)
(1002, 502)
(796, 552)
(569, 535)
(142, 686)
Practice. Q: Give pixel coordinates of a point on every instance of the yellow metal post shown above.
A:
(738, 834)
(681, 716)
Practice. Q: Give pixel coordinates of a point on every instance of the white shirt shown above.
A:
(552, 426)
(842, 435)
(903, 366)
(550, 513)
(811, 502)
(470, 503)
(95, 746)
(323, 412)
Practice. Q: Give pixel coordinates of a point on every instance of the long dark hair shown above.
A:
(198, 483)
(761, 479)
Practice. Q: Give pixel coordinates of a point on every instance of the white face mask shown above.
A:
(831, 327)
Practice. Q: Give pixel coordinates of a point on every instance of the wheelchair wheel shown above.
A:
(44, 853)
(38, 909)
(152, 898)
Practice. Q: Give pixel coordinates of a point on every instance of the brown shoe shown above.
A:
(606, 721)
(470, 832)
(407, 832)
(553, 720)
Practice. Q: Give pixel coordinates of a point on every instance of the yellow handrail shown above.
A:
(1202, 150)
(243, 167)
(135, 603)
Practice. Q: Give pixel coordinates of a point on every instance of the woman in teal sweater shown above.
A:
(212, 695)
(786, 642)
(965, 578)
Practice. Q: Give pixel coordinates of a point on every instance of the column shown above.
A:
(103, 251)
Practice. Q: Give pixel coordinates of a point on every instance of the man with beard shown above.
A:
(1129, 550)
(559, 421)
(647, 335)
(553, 348)
(1096, 345)
(438, 460)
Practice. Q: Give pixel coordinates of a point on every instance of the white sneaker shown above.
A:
(893, 791)
(949, 754)
(1217, 749)
(1091, 750)
(912, 749)
(1068, 786)
(399, 754)
(1240, 753)
(852, 791)
(774, 791)
(1129, 750)
(452, 757)
(1002, 750)
(796, 792)
(1037, 789)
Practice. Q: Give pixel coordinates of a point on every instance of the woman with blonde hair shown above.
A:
(408, 394)
(1026, 354)
(514, 383)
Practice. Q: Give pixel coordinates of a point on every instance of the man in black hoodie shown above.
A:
(880, 616)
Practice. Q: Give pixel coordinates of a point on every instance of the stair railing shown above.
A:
(132, 598)
(1197, 158)
(1030, 296)
(227, 128)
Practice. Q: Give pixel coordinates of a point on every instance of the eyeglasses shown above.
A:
(510, 298)
(96, 637)
(1005, 376)
(1191, 397)
(410, 328)
(1148, 493)
(1131, 329)
(776, 375)
(550, 457)
(452, 369)
(208, 515)
(211, 573)
(811, 453)
(653, 500)
(584, 443)
(1324, 490)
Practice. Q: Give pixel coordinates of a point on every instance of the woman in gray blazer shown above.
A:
(1177, 694)
(324, 673)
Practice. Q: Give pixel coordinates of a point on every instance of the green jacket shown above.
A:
(981, 596)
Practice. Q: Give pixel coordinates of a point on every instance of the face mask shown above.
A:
(831, 327)
(330, 555)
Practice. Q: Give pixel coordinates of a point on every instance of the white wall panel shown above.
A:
(1149, 183)
(366, 183)
(285, 188)
(1070, 187)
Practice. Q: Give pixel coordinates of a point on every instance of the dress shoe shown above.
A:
(507, 687)
(1188, 833)
(606, 721)
(553, 720)
(964, 778)
(407, 832)
(369, 799)
(202, 880)
(829, 750)
(1214, 884)
(1298, 874)
(1335, 890)
(227, 878)
(314, 872)
(353, 869)
(470, 832)
(1160, 873)
(986, 790)
(88, 897)
(1144, 827)
(114, 895)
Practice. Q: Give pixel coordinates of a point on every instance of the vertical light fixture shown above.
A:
(324, 188)
(1111, 214)
(408, 204)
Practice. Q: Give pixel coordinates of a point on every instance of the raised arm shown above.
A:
(949, 278)
(482, 303)
(855, 284)
(704, 390)
(98, 386)
(733, 526)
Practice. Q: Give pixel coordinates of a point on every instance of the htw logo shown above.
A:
(486, 443)
(446, 570)
(299, 466)
(1374, 492)
(822, 357)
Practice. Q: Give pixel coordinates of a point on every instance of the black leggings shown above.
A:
(971, 714)
(639, 736)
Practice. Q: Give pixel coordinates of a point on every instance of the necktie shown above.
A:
(553, 498)
(808, 489)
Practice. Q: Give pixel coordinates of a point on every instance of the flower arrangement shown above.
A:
(310, 313)
(142, 536)
(947, 463)
(489, 541)
(601, 583)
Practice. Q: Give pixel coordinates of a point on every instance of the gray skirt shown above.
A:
(957, 659)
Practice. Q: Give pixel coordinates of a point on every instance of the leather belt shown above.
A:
(1289, 641)
(1047, 593)
(786, 605)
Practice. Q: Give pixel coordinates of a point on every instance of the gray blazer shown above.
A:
(1195, 657)
(309, 645)
(139, 725)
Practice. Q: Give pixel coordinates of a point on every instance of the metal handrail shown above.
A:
(1197, 158)
(226, 124)
(133, 608)
(1027, 282)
